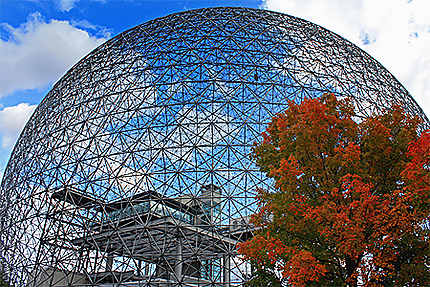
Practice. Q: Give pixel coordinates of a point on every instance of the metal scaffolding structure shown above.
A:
(135, 169)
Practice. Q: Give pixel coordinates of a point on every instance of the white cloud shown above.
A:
(12, 121)
(395, 32)
(84, 24)
(66, 5)
(37, 53)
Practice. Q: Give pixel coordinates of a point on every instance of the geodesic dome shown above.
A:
(136, 168)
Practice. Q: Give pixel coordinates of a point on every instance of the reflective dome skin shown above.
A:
(136, 167)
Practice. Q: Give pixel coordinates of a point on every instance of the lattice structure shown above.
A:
(135, 168)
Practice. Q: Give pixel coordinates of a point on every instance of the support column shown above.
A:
(226, 269)
(178, 265)
(139, 267)
(109, 262)
(146, 268)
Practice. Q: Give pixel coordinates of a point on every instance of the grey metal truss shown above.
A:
(136, 168)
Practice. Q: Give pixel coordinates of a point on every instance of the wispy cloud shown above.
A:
(395, 32)
(66, 5)
(86, 25)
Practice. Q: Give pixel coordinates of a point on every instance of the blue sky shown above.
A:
(41, 39)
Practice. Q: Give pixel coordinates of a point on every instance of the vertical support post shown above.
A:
(178, 265)
(96, 258)
(109, 262)
(252, 269)
(139, 267)
(226, 269)
(87, 260)
(146, 268)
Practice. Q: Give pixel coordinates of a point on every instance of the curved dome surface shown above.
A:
(135, 167)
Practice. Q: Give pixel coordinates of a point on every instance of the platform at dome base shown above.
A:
(128, 228)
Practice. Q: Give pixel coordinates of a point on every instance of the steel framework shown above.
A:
(135, 168)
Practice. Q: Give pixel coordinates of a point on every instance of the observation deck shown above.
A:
(194, 233)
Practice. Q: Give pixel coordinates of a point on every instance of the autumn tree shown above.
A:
(352, 200)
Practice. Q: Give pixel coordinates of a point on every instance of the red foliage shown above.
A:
(353, 197)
